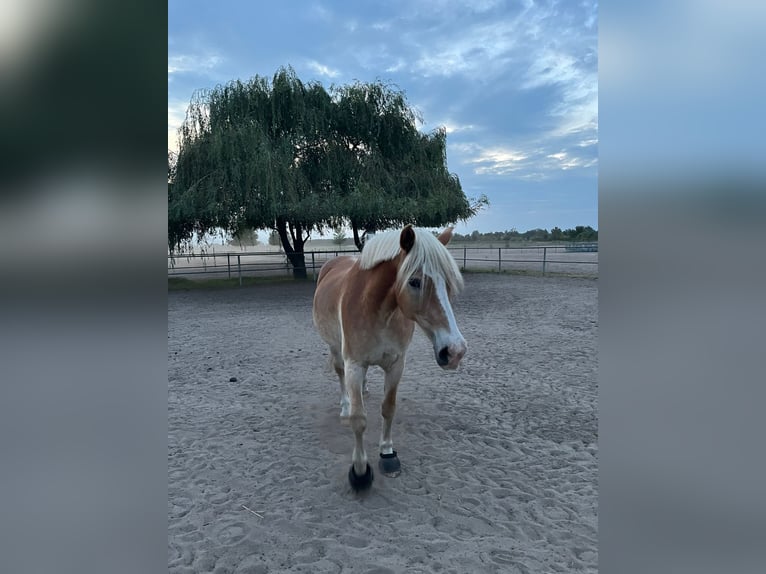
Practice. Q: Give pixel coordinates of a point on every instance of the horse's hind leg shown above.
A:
(360, 473)
(389, 462)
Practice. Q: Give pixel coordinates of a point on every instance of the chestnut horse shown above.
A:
(366, 309)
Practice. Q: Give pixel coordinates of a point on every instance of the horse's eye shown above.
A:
(415, 283)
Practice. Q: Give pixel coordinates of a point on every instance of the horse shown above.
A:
(365, 308)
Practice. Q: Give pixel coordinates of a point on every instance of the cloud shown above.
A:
(591, 18)
(453, 127)
(176, 112)
(322, 70)
(587, 142)
(563, 160)
(396, 66)
(183, 63)
(530, 162)
(176, 116)
(576, 83)
(539, 47)
(551, 67)
(422, 9)
(487, 46)
(495, 161)
(481, 49)
(576, 117)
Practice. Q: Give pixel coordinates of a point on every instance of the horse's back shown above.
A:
(327, 297)
(336, 267)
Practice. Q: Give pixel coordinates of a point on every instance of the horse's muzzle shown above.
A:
(450, 357)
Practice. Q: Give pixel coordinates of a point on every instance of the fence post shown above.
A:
(499, 259)
(545, 253)
(239, 268)
(313, 267)
(228, 264)
(463, 257)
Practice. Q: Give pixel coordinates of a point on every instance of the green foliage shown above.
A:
(295, 157)
(581, 233)
(274, 237)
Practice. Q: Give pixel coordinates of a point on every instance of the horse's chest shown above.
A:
(380, 342)
(376, 348)
(387, 351)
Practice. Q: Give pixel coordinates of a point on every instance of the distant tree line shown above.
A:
(579, 233)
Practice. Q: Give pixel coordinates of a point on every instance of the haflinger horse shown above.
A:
(366, 308)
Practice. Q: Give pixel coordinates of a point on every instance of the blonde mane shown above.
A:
(427, 255)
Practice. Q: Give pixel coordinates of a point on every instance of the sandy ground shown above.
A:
(499, 460)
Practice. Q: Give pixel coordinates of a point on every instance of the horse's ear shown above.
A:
(446, 235)
(407, 238)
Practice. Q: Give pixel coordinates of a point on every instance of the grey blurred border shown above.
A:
(682, 206)
(83, 292)
(82, 410)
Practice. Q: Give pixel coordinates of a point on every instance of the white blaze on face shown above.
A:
(449, 337)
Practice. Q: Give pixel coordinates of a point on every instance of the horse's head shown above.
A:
(428, 278)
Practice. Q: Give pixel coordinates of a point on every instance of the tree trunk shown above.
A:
(294, 254)
(357, 241)
(369, 231)
(298, 261)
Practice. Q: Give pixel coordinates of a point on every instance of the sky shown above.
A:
(515, 84)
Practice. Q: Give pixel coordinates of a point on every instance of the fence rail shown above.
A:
(580, 258)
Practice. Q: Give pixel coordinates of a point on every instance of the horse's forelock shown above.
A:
(433, 258)
(427, 254)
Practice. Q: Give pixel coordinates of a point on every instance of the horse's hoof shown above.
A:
(389, 465)
(360, 482)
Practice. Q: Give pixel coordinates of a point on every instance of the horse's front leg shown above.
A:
(389, 462)
(345, 404)
(360, 473)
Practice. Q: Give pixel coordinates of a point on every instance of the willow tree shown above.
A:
(291, 157)
(250, 157)
(392, 173)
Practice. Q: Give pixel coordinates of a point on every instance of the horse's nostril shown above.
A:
(443, 356)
